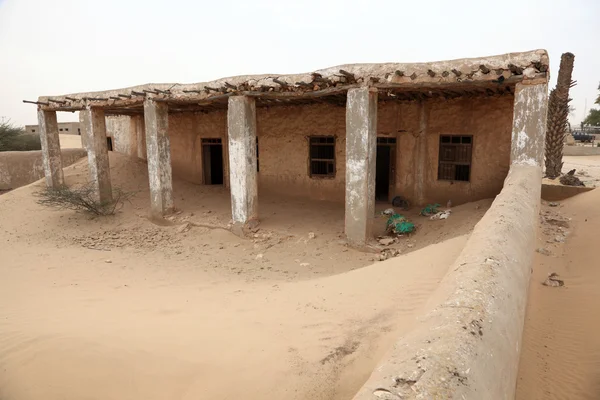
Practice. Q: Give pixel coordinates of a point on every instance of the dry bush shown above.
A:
(82, 199)
(14, 138)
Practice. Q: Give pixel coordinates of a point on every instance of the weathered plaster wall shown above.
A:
(123, 131)
(20, 168)
(186, 131)
(487, 119)
(283, 145)
(468, 344)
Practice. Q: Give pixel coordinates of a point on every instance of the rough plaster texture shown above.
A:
(124, 133)
(49, 138)
(468, 344)
(97, 151)
(361, 149)
(581, 151)
(530, 112)
(241, 125)
(159, 157)
(20, 168)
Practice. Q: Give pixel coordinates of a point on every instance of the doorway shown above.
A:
(212, 161)
(384, 168)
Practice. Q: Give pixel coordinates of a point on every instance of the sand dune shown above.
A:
(119, 308)
(561, 345)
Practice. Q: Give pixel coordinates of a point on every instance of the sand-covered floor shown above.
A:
(120, 308)
(561, 345)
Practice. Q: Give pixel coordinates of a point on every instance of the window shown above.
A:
(67, 129)
(322, 156)
(79, 131)
(61, 129)
(33, 130)
(455, 158)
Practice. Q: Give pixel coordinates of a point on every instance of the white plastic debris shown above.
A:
(441, 215)
(389, 211)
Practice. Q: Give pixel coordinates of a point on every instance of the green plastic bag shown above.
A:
(430, 209)
(399, 224)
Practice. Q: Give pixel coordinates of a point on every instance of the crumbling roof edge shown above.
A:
(523, 65)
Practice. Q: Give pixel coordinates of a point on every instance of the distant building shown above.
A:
(69, 128)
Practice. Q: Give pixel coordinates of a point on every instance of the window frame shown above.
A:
(455, 163)
(333, 160)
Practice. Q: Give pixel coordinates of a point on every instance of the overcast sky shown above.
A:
(65, 46)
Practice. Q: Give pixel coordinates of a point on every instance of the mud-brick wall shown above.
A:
(283, 134)
(186, 131)
(125, 132)
(487, 119)
(283, 137)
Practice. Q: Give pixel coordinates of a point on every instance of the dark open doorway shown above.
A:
(109, 143)
(384, 167)
(212, 161)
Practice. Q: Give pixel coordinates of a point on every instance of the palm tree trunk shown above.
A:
(558, 112)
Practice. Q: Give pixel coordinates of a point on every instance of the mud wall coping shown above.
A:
(468, 344)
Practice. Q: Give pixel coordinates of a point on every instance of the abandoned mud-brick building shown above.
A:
(355, 133)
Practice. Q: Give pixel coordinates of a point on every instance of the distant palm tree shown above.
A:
(558, 113)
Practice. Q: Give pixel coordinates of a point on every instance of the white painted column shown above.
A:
(51, 157)
(97, 151)
(158, 149)
(241, 128)
(529, 124)
(361, 152)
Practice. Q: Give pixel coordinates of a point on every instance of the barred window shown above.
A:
(455, 158)
(322, 156)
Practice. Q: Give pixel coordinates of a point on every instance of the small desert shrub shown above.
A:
(14, 138)
(82, 199)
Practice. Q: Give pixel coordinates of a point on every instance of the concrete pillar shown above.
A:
(83, 123)
(97, 150)
(420, 155)
(139, 126)
(158, 149)
(51, 157)
(241, 132)
(361, 152)
(529, 124)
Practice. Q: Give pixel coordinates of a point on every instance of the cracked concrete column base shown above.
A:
(241, 127)
(158, 149)
(361, 151)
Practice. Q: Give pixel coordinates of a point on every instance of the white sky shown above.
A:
(53, 47)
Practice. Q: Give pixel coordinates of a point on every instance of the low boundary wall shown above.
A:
(581, 151)
(20, 168)
(468, 344)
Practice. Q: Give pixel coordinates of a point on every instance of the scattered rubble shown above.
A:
(553, 280)
(553, 204)
(388, 253)
(311, 235)
(544, 251)
(386, 241)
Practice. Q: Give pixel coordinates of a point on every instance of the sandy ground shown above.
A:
(561, 344)
(69, 141)
(120, 308)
